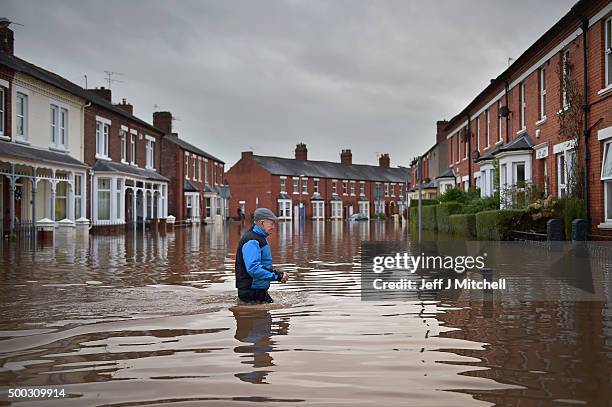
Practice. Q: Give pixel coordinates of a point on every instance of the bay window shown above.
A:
(606, 177)
(61, 196)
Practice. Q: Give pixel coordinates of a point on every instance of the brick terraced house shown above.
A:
(299, 187)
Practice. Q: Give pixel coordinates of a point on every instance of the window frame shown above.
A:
(21, 101)
(2, 110)
(523, 105)
(123, 145)
(564, 78)
(608, 52)
(499, 122)
(102, 139)
(488, 128)
(542, 93)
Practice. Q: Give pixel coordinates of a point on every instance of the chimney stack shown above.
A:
(440, 133)
(247, 154)
(163, 121)
(126, 106)
(6, 40)
(101, 92)
(346, 157)
(384, 160)
(301, 152)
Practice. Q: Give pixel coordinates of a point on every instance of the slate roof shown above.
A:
(519, 144)
(38, 154)
(51, 78)
(190, 147)
(111, 166)
(189, 187)
(489, 154)
(447, 174)
(328, 169)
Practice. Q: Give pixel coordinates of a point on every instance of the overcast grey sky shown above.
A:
(372, 76)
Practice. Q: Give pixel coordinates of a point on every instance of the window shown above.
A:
(123, 142)
(102, 139)
(208, 209)
(334, 187)
(487, 127)
(104, 198)
(465, 144)
(60, 200)
(78, 196)
(189, 206)
(1, 111)
(206, 171)
(315, 185)
(565, 168)
(118, 198)
(151, 155)
(344, 187)
(193, 164)
(606, 176)
(199, 169)
(362, 188)
(284, 208)
(478, 134)
(318, 210)
(336, 209)
(392, 189)
(542, 93)
(519, 174)
(133, 149)
(502, 175)
(352, 187)
(283, 188)
(296, 185)
(364, 208)
(186, 165)
(458, 147)
(59, 124)
(523, 105)
(499, 121)
(386, 189)
(22, 116)
(566, 73)
(304, 185)
(608, 51)
(452, 150)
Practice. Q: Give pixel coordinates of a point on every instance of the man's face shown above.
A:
(267, 225)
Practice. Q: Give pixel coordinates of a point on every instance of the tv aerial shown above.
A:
(109, 77)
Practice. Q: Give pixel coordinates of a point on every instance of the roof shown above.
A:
(189, 187)
(51, 78)
(489, 154)
(328, 169)
(447, 174)
(39, 154)
(519, 144)
(190, 147)
(573, 14)
(110, 166)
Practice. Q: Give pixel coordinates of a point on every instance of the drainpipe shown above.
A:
(585, 109)
(507, 89)
(91, 191)
(469, 147)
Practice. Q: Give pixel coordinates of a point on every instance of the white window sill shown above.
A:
(499, 142)
(296, 193)
(464, 158)
(22, 141)
(59, 149)
(3, 137)
(486, 148)
(605, 225)
(521, 131)
(124, 162)
(541, 121)
(605, 90)
(102, 157)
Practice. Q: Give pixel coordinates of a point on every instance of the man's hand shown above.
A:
(285, 277)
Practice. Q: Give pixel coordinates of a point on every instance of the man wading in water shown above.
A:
(254, 260)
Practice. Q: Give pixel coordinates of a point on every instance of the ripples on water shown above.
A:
(147, 319)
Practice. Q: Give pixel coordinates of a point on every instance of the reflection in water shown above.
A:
(152, 319)
(254, 327)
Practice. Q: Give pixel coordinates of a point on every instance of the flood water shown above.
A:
(153, 320)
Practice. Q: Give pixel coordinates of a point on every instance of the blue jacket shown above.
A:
(258, 261)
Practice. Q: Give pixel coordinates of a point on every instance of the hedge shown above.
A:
(444, 211)
(497, 224)
(414, 203)
(429, 217)
(462, 224)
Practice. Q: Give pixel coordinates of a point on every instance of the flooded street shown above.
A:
(131, 320)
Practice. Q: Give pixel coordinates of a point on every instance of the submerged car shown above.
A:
(358, 216)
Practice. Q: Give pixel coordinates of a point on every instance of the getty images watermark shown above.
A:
(449, 270)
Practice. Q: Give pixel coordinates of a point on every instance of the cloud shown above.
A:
(373, 76)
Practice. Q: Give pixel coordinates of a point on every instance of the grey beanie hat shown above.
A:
(264, 213)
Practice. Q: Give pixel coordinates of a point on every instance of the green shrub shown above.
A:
(463, 224)
(573, 208)
(413, 215)
(414, 203)
(429, 217)
(487, 203)
(454, 195)
(381, 216)
(443, 211)
(497, 224)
